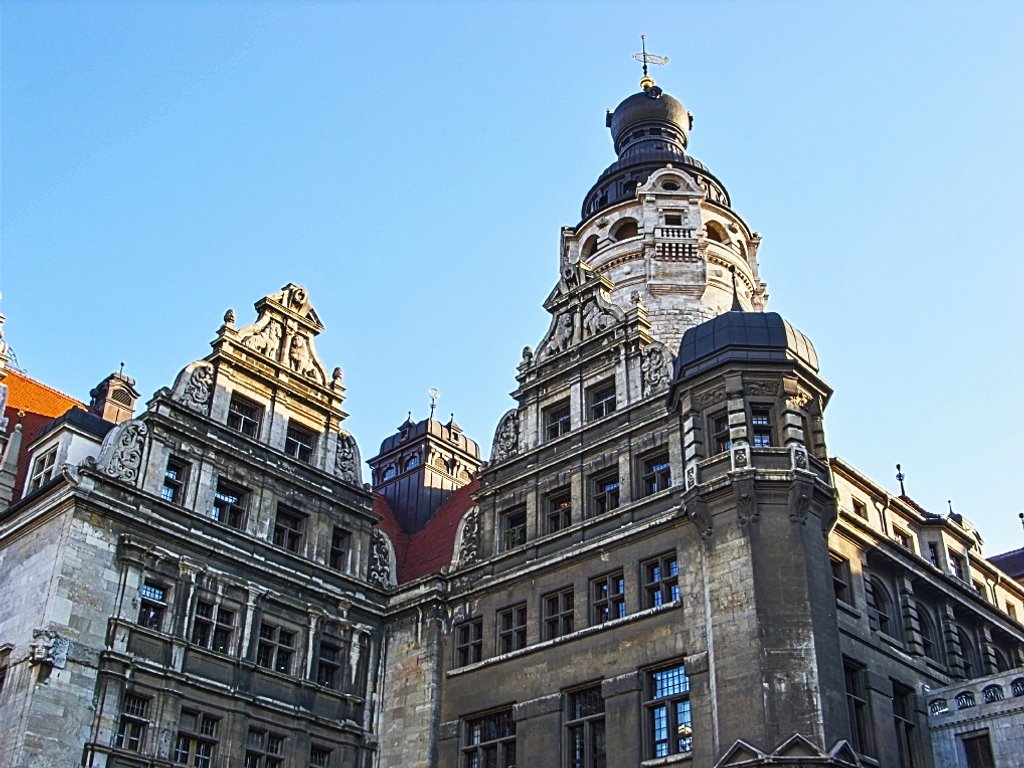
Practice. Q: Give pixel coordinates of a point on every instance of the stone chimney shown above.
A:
(114, 398)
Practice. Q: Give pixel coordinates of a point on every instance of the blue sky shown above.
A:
(411, 164)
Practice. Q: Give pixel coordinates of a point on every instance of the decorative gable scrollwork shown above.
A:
(346, 461)
(656, 367)
(382, 560)
(120, 453)
(194, 387)
(468, 541)
(506, 437)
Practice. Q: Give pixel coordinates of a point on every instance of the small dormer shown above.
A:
(113, 399)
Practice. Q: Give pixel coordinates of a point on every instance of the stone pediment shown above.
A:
(581, 308)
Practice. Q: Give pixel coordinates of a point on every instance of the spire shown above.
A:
(645, 58)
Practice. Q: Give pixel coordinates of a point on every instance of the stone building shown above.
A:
(659, 564)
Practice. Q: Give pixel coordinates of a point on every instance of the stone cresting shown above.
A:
(506, 437)
(194, 387)
(120, 453)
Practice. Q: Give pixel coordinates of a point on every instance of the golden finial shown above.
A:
(646, 58)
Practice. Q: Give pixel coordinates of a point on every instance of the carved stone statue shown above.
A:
(381, 572)
(299, 359)
(596, 319)
(561, 339)
(506, 437)
(265, 337)
(121, 451)
(194, 387)
(656, 368)
(229, 317)
(336, 377)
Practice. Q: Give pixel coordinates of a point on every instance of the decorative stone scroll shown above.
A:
(346, 461)
(382, 560)
(762, 388)
(506, 437)
(120, 454)
(194, 387)
(656, 367)
(468, 547)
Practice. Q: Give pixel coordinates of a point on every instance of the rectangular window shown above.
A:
(857, 706)
(330, 657)
(299, 442)
(902, 538)
(860, 509)
(557, 612)
(1011, 611)
(660, 577)
(244, 416)
(978, 750)
(584, 728)
(933, 553)
(289, 527)
(841, 579)
(230, 503)
(152, 605)
(512, 628)
(131, 731)
(607, 598)
(42, 470)
(673, 220)
(903, 719)
(490, 741)
(655, 473)
(319, 757)
(276, 648)
(720, 439)
(175, 476)
(469, 642)
(958, 566)
(604, 489)
(340, 543)
(669, 724)
(601, 400)
(264, 749)
(761, 424)
(213, 626)
(513, 527)
(196, 742)
(558, 510)
(557, 420)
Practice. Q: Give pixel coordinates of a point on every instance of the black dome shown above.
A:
(650, 106)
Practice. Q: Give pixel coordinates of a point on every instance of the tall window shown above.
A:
(933, 553)
(490, 741)
(196, 740)
(230, 503)
(930, 639)
(601, 400)
(276, 648)
(584, 728)
(264, 749)
(902, 538)
(669, 724)
(319, 757)
(469, 642)
(244, 416)
(660, 580)
(881, 611)
(761, 423)
(958, 565)
(969, 654)
(329, 660)
(558, 510)
(289, 526)
(903, 720)
(607, 598)
(720, 439)
(131, 731)
(513, 527)
(978, 750)
(213, 626)
(841, 579)
(655, 473)
(512, 628)
(557, 610)
(340, 542)
(152, 605)
(175, 476)
(604, 492)
(557, 420)
(857, 706)
(42, 470)
(299, 442)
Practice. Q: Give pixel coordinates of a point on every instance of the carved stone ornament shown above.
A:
(563, 333)
(346, 460)
(194, 387)
(746, 501)
(740, 456)
(762, 388)
(469, 539)
(656, 367)
(596, 319)
(506, 437)
(691, 475)
(799, 456)
(279, 335)
(713, 397)
(798, 400)
(382, 560)
(799, 506)
(49, 648)
(697, 510)
(121, 451)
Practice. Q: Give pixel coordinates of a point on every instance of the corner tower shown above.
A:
(660, 225)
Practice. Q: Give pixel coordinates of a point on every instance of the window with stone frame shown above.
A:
(931, 641)
(330, 662)
(152, 604)
(841, 579)
(289, 528)
(557, 613)
(607, 597)
(969, 654)
(667, 709)
(275, 648)
(42, 470)
(720, 438)
(195, 743)
(558, 510)
(489, 741)
(175, 477)
(857, 706)
(264, 749)
(604, 492)
(512, 628)
(245, 415)
(904, 723)
(761, 427)
(860, 509)
(319, 757)
(230, 503)
(131, 729)
(585, 728)
(469, 642)
(341, 542)
(557, 420)
(902, 538)
(958, 565)
(513, 527)
(882, 615)
(300, 442)
(655, 472)
(933, 553)
(601, 400)
(977, 749)
(213, 626)
(660, 580)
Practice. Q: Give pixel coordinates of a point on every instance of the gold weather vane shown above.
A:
(646, 58)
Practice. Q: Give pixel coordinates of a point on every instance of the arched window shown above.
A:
(1017, 687)
(389, 472)
(930, 638)
(937, 706)
(969, 652)
(992, 693)
(965, 700)
(625, 229)
(589, 246)
(716, 232)
(412, 462)
(881, 608)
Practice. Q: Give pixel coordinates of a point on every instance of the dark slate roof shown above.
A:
(744, 337)
(1011, 563)
(434, 428)
(83, 419)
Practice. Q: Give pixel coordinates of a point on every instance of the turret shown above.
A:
(113, 399)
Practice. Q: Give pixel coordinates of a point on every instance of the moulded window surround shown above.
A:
(860, 509)
(668, 716)
(557, 613)
(275, 648)
(660, 577)
(558, 514)
(627, 227)
(513, 527)
(607, 598)
(857, 706)
(245, 416)
(958, 566)
(289, 528)
(601, 400)
(902, 538)
(589, 246)
(299, 442)
(881, 608)
(655, 473)
(175, 477)
(673, 219)
(341, 541)
(930, 639)
(933, 553)
(412, 462)
(195, 744)
(469, 642)
(905, 725)
(761, 427)
(42, 470)
(585, 729)
(152, 605)
(213, 626)
(841, 579)
(512, 628)
(604, 489)
(489, 741)
(131, 731)
(264, 749)
(319, 757)
(330, 658)
(557, 420)
(230, 502)
(969, 654)
(721, 442)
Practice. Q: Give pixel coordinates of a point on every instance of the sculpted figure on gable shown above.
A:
(596, 319)
(265, 337)
(563, 333)
(281, 336)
